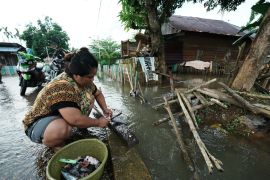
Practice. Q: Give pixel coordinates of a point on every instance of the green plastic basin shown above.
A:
(84, 147)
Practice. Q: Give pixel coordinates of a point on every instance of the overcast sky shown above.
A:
(86, 19)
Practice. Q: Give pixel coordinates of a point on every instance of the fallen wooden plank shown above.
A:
(240, 99)
(219, 95)
(224, 97)
(216, 101)
(201, 85)
(262, 106)
(260, 96)
(200, 97)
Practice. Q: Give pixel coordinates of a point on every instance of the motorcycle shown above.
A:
(30, 74)
(57, 65)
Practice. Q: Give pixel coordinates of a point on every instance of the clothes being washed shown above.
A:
(79, 168)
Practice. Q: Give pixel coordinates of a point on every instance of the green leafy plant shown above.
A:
(106, 51)
(47, 33)
(260, 8)
(232, 125)
(198, 119)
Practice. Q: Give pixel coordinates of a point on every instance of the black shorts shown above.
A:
(36, 131)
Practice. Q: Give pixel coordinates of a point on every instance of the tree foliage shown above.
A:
(106, 51)
(47, 33)
(8, 34)
(259, 9)
(134, 15)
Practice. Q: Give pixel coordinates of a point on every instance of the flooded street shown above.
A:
(20, 158)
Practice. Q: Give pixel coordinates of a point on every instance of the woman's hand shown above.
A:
(103, 122)
(107, 112)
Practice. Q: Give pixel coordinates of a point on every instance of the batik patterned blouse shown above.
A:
(60, 93)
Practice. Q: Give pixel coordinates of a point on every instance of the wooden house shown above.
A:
(193, 38)
(8, 57)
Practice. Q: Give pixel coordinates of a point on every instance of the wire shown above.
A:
(98, 13)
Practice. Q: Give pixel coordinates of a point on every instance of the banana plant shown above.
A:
(261, 8)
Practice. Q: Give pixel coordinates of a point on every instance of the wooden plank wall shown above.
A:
(202, 46)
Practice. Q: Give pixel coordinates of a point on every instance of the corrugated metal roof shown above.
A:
(9, 49)
(196, 24)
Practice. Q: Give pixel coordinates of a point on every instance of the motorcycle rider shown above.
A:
(28, 56)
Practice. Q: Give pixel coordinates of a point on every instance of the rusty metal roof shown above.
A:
(10, 47)
(195, 24)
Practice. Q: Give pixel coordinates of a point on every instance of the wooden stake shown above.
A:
(179, 136)
(195, 135)
(216, 161)
(131, 85)
(190, 110)
(140, 89)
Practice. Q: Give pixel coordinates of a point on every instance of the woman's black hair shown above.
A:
(81, 62)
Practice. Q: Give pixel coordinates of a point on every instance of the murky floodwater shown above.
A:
(20, 158)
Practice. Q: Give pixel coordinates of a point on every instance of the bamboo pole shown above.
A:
(162, 104)
(201, 85)
(141, 93)
(229, 99)
(135, 80)
(170, 100)
(194, 108)
(216, 101)
(262, 106)
(179, 136)
(189, 110)
(260, 96)
(219, 95)
(131, 85)
(196, 135)
(200, 97)
(216, 161)
(241, 100)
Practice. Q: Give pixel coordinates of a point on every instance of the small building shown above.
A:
(8, 56)
(192, 38)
